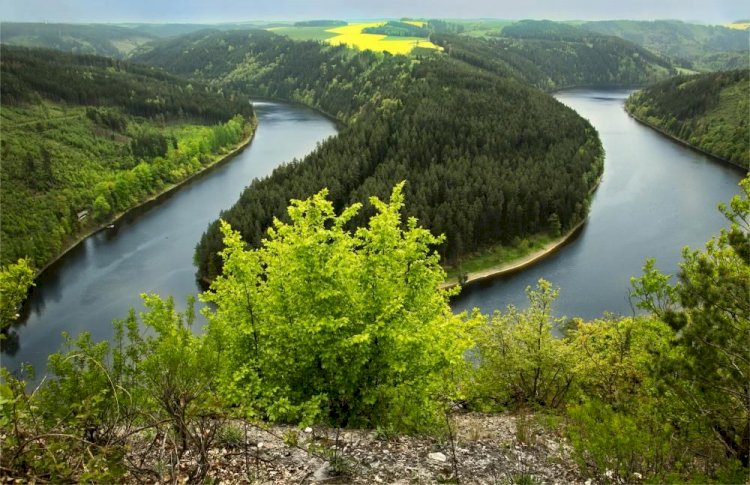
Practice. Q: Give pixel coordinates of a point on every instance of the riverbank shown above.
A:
(517, 264)
(681, 141)
(156, 197)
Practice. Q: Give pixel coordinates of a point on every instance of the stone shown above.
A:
(437, 457)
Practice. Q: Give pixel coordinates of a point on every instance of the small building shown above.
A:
(83, 215)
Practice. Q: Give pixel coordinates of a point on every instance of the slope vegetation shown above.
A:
(692, 46)
(709, 111)
(551, 55)
(86, 137)
(103, 40)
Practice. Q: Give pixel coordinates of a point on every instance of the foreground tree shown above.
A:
(709, 309)
(322, 322)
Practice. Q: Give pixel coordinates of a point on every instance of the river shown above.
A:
(656, 197)
(151, 249)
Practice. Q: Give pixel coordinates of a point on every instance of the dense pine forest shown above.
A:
(86, 137)
(708, 111)
(478, 148)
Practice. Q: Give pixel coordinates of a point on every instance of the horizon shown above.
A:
(229, 11)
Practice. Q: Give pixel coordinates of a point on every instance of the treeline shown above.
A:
(398, 29)
(692, 46)
(710, 111)
(98, 39)
(551, 55)
(320, 23)
(69, 166)
(486, 159)
(31, 74)
(341, 326)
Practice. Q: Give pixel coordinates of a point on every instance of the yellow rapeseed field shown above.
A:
(352, 35)
(739, 25)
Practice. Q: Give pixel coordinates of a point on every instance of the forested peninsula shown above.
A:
(707, 111)
(86, 138)
(487, 159)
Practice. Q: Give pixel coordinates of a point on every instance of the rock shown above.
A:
(437, 457)
(308, 430)
(321, 474)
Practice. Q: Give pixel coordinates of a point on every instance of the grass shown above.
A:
(498, 255)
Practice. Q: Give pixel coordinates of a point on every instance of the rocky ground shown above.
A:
(487, 449)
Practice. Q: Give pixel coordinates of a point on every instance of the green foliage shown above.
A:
(15, 281)
(322, 323)
(709, 309)
(518, 359)
(106, 400)
(710, 111)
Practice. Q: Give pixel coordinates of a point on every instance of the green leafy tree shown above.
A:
(346, 326)
(519, 359)
(15, 281)
(709, 309)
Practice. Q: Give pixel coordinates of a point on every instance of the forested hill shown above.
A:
(85, 137)
(100, 39)
(552, 55)
(693, 46)
(487, 159)
(709, 111)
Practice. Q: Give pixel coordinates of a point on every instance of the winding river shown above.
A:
(656, 197)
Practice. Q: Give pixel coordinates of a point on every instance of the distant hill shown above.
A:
(692, 46)
(99, 39)
(553, 55)
(709, 111)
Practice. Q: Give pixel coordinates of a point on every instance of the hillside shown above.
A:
(552, 55)
(478, 150)
(709, 111)
(100, 39)
(692, 46)
(87, 137)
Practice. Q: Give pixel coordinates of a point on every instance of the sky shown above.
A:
(215, 11)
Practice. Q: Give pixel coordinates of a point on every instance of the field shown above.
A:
(352, 36)
(739, 25)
